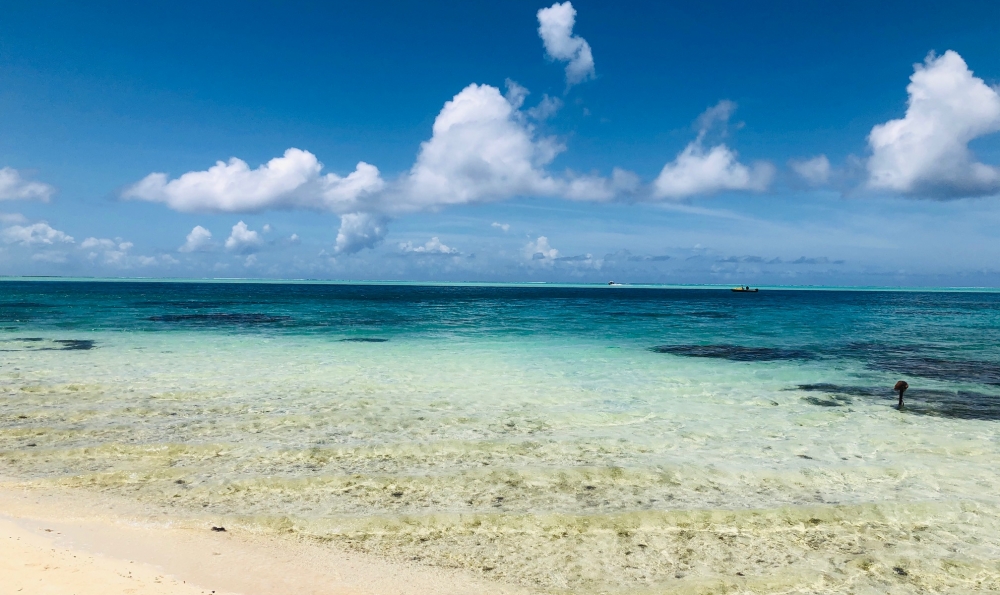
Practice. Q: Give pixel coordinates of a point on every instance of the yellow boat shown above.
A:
(745, 290)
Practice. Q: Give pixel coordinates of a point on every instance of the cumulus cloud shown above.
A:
(498, 225)
(291, 181)
(243, 239)
(37, 234)
(698, 170)
(15, 187)
(540, 250)
(114, 252)
(815, 171)
(480, 150)
(926, 152)
(707, 170)
(199, 239)
(598, 188)
(432, 246)
(555, 27)
(359, 231)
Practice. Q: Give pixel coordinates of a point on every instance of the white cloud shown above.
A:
(199, 239)
(14, 187)
(359, 231)
(546, 108)
(433, 246)
(294, 238)
(250, 261)
(540, 250)
(290, 181)
(11, 218)
(503, 226)
(555, 27)
(815, 171)
(598, 188)
(481, 150)
(515, 94)
(701, 170)
(51, 257)
(37, 234)
(99, 243)
(926, 152)
(114, 251)
(242, 239)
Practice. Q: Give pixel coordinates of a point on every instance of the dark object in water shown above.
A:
(736, 353)
(363, 340)
(744, 289)
(901, 386)
(219, 529)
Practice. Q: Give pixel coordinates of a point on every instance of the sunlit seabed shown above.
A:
(576, 442)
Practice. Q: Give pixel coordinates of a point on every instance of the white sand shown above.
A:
(75, 544)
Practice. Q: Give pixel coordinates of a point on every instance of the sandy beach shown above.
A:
(74, 544)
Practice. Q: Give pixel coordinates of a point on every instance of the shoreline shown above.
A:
(72, 542)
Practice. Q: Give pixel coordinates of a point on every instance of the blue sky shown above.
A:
(645, 142)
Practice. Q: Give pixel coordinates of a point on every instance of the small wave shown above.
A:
(222, 318)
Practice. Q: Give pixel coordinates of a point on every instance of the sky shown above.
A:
(789, 143)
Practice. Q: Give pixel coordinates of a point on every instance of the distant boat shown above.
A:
(744, 290)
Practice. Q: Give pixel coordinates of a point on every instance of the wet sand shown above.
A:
(77, 544)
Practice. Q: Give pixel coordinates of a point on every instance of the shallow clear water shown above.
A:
(601, 439)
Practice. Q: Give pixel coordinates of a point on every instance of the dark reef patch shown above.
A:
(40, 344)
(736, 353)
(363, 340)
(74, 344)
(961, 404)
(923, 361)
(940, 369)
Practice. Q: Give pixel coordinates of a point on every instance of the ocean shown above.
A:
(571, 439)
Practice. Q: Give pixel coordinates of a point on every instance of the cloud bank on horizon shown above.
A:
(486, 146)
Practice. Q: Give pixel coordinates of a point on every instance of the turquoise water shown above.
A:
(571, 439)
